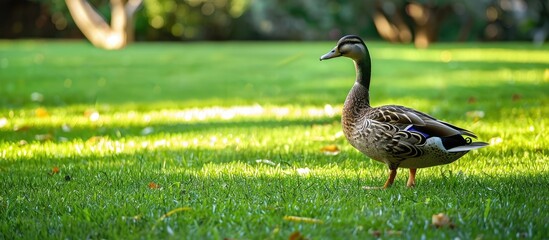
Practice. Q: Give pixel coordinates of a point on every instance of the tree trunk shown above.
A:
(428, 19)
(95, 28)
(391, 25)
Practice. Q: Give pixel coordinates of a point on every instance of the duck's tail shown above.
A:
(469, 147)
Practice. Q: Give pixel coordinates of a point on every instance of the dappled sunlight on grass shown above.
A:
(466, 54)
(243, 140)
(59, 116)
(475, 78)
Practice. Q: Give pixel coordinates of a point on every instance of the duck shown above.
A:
(397, 136)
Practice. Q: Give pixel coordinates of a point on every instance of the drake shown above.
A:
(398, 136)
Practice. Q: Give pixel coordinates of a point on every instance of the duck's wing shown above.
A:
(404, 117)
(406, 130)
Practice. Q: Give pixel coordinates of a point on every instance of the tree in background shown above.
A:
(424, 21)
(197, 19)
(97, 30)
(418, 21)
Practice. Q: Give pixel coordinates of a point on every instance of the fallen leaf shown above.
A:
(41, 112)
(388, 233)
(330, 150)
(22, 143)
(153, 185)
(302, 219)
(472, 100)
(442, 220)
(55, 170)
(376, 233)
(23, 128)
(296, 236)
(516, 97)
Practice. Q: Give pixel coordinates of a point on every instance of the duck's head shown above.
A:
(350, 46)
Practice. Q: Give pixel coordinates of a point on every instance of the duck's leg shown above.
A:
(412, 178)
(388, 183)
(391, 179)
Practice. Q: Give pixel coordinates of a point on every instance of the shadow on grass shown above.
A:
(119, 130)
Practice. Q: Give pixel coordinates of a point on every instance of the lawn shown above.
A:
(242, 140)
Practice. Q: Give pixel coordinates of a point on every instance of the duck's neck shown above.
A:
(358, 98)
(363, 69)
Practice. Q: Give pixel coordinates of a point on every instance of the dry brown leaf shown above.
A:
(296, 236)
(376, 233)
(442, 220)
(22, 143)
(330, 149)
(153, 185)
(55, 170)
(388, 233)
(23, 128)
(516, 97)
(472, 100)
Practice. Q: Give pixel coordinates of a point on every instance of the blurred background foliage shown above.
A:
(394, 20)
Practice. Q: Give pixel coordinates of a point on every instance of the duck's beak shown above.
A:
(331, 54)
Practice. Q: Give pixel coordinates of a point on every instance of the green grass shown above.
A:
(165, 140)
